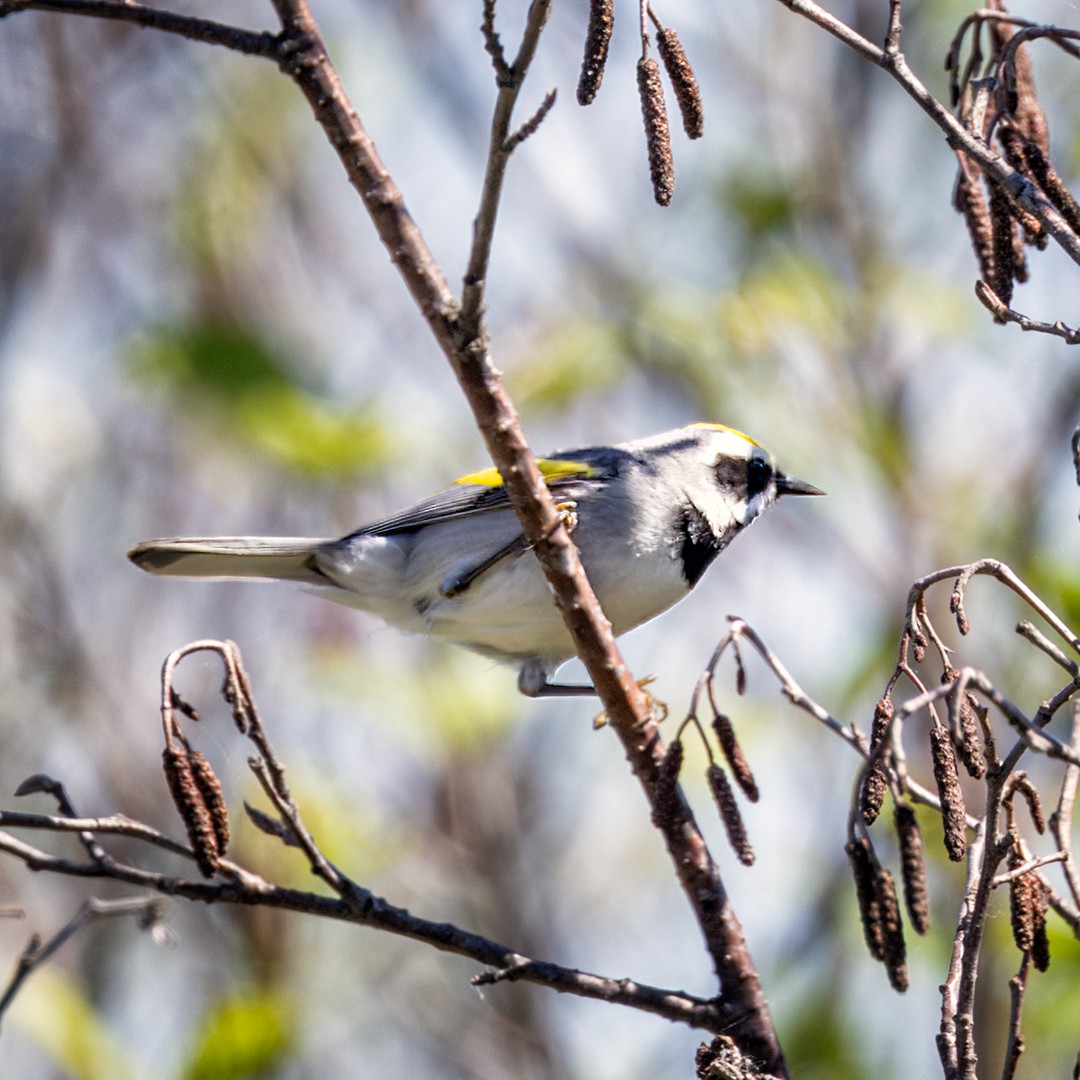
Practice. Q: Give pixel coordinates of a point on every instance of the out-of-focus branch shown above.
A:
(147, 910)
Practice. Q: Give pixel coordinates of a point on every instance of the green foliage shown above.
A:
(239, 383)
(242, 1037)
(760, 200)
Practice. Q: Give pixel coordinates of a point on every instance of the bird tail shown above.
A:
(280, 558)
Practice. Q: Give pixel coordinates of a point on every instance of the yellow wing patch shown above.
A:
(552, 470)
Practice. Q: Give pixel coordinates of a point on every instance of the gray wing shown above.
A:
(466, 500)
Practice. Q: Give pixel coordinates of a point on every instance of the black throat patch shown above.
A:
(699, 545)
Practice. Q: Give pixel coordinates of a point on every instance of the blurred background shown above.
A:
(200, 334)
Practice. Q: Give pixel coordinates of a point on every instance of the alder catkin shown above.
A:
(872, 793)
(892, 930)
(724, 798)
(953, 813)
(192, 808)
(597, 40)
(912, 867)
(1003, 229)
(684, 83)
(213, 798)
(733, 754)
(969, 199)
(864, 870)
(657, 135)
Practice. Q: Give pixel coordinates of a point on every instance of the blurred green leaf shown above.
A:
(792, 291)
(218, 360)
(759, 198)
(575, 358)
(237, 172)
(237, 381)
(242, 1036)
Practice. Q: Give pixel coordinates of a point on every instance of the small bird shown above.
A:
(648, 518)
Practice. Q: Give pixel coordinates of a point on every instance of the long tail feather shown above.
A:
(282, 558)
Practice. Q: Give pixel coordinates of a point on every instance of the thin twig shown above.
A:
(146, 909)
(1001, 311)
(247, 888)
(206, 31)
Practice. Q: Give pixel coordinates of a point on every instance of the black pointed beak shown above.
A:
(788, 485)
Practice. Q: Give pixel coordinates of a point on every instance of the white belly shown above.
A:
(507, 611)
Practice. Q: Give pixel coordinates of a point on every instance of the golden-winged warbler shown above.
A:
(648, 518)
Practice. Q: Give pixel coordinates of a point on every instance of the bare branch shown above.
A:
(1003, 313)
(146, 909)
(206, 31)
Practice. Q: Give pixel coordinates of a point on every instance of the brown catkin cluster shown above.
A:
(657, 133)
(953, 813)
(1032, 160)
(912, 867)
(683, 82)
(724, 798)
(999, 225)
(1008, 264)
(597, 41)
(879, 911)
(197, 795)
(736, 759)
(969, 199)
(1027, 910)
(864, 870)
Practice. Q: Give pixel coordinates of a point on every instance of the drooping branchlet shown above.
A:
(953, 814)
(724, 798)
(597, 41)
(912, 867)
(1020, 782)
(683, 82)
(657, 134)
(736, 759)
(1021, 99)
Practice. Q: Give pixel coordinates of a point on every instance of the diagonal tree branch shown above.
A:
(462, 335)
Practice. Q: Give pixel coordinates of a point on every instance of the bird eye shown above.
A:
(759, 475)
